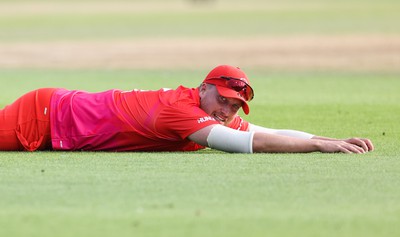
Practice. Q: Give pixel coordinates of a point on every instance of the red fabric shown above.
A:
(127, 120)
(25, 124)
(239, 123)
(227, 71)
(112, 120)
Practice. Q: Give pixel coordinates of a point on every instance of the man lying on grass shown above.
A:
(184, 119)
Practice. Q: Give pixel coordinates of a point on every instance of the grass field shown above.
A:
(210, 193)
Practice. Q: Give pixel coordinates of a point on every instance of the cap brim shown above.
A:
(229, 93)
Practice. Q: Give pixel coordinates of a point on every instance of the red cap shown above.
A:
(223, 73)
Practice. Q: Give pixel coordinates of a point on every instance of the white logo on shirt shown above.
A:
(205, 119)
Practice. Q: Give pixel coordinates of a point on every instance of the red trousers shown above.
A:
(25, 124)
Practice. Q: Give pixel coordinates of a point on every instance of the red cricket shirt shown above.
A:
(134, 120)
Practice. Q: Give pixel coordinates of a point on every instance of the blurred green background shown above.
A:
(260, 36)
(52, 20)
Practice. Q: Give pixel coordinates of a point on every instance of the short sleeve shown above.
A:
(178, 122)
(238, 123)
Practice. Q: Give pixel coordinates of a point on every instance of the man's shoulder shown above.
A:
(181, 96)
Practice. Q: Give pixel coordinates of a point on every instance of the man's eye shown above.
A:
(223, 99)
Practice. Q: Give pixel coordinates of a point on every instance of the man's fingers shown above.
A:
(344, 150)
(365, 144)
(352, 145)
(369, 144)
(351, 148)
(362, 144)
(359, 149)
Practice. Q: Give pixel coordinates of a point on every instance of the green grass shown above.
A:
(107, 194)
(210, 193)
(286, 18)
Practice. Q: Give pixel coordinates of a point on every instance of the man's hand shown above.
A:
(366, 144)
(339, 146)
(350, 145)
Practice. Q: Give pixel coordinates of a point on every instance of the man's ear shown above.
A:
(202, 90)
(203, 87)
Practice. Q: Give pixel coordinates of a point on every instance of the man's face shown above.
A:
(220, 108)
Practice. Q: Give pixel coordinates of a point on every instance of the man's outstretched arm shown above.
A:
(229, 140)
(366, 144)
(263, 142)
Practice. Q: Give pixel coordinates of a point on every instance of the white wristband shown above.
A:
(230, 140)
